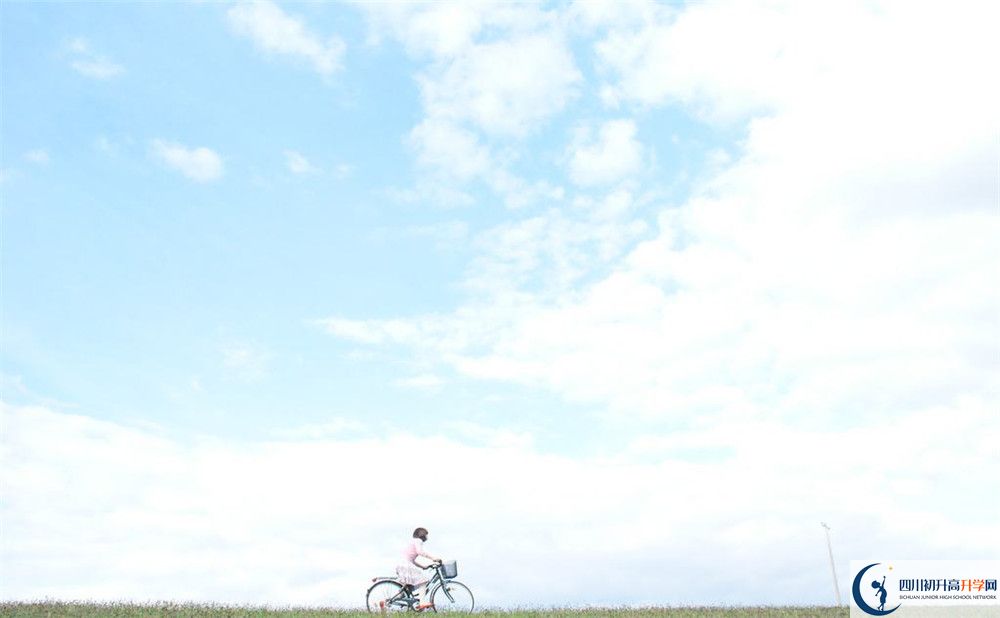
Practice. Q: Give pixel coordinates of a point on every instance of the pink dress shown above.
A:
(410, 572)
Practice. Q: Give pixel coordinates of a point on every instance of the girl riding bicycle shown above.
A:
(412, 572)
(412, 590)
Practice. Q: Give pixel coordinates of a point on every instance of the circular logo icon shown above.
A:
(880, 592)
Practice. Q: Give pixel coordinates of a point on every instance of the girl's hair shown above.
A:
(419, 532)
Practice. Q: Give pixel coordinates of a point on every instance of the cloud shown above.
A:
(594, 15)
(454, 155)
(443, 30)
(446, 146)
(729, 61)
(478, 86)
(424, 382)
(432, 191)
(484, 435)
(298, 164)
(245, 360)
(199, 164)
(100, 68)
(333, 428)
(373, 331)
(91, 64)
(475, 106)
(610, 156)
(552, 252)
(38, 156)
(447, 236)
(104, 145)
(836, 263)
(113, 145)
(276, 32)
(308, 519)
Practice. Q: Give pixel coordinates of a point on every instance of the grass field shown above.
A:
(166, 610)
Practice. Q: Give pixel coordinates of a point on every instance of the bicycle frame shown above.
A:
(406, 596)
(438, 580)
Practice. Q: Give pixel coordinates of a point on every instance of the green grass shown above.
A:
(170, 610)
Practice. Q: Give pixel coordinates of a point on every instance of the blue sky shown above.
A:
(655, 280)
(171, 275)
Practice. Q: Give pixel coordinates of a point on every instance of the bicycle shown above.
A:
(388, 594)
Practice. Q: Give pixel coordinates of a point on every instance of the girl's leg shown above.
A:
(421, 594)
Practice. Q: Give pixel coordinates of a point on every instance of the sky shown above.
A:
(619, 300)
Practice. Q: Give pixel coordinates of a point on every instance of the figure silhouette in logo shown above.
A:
(881, 593)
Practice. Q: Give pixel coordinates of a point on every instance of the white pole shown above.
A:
(833, 568)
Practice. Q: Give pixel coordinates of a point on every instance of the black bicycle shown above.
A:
(388, 594)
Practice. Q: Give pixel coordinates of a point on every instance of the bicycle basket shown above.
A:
(449, 569)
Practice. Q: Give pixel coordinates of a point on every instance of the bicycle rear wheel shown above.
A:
(452, 596)
(385, 596)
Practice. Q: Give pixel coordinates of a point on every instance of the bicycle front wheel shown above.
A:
(385, 596)
(452, 596)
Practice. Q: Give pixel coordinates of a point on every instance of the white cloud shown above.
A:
(839, 263)
(732, 60)
(424, 382)
(431, 191)
(79, 45)
(453, 155)
(104, 145)
(343, 170)
(38, 156)
(245, 360)
(298, 164)
(274, 31)
(113, 145)
(443, 30)
(99, 68)
(445, 146)
(612, 155)
(199, 164)
(591, 15)
(445, 235)
(479, 87)
(474, 103)
(707, 51)
(375, 332)
(89, 63)
(333, 428)
(485, 435)
(309, 519)
(549, 253)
